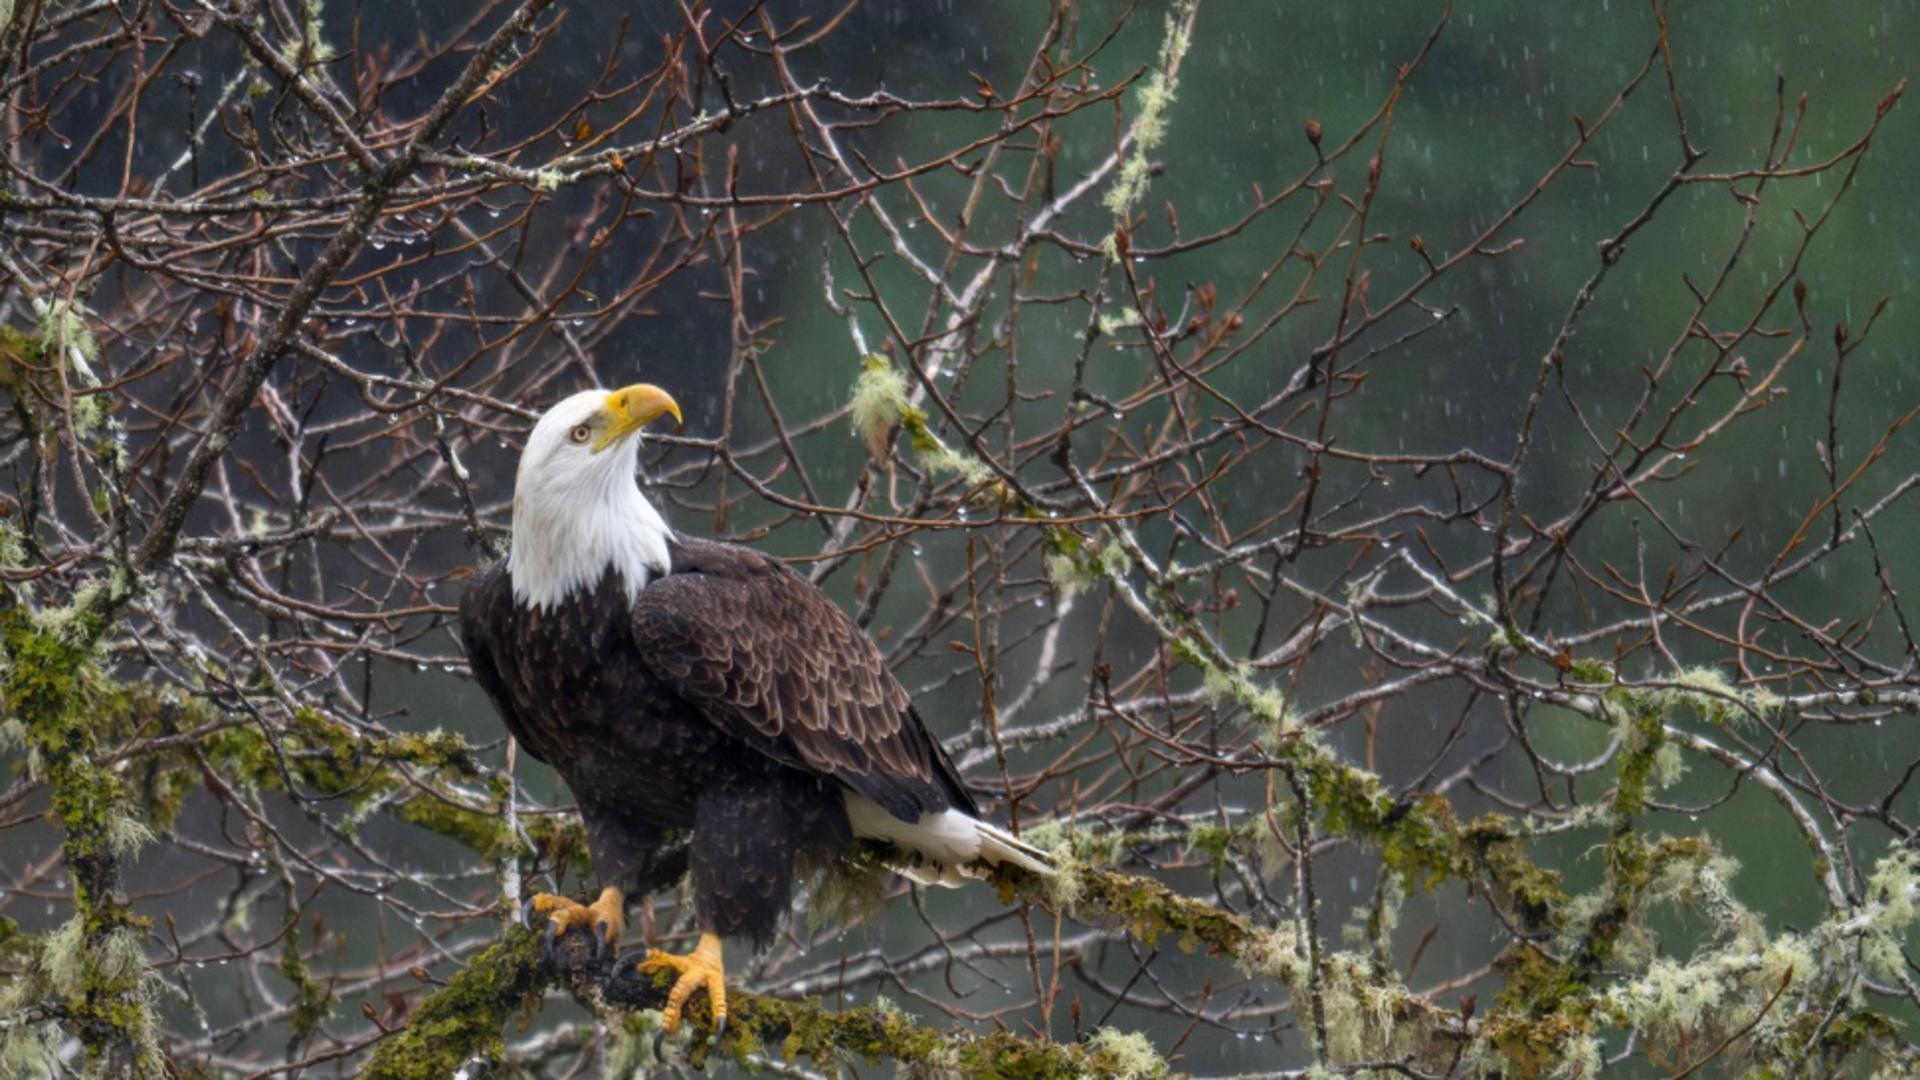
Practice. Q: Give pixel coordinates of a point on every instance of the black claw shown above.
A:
(621, 976)
(553, 941)
(602, 938)
(719, 1030)
(526, 913)
(659, 1045)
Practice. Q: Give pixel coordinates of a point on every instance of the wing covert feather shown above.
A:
(770, 659)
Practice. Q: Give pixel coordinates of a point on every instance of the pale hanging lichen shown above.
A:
(1711, 695)
(1670, 999)
(1890, 909)
(28, 1049)
(879, 404)
(1124, 319)
(1074, 563)
(1058, 839)
(1149, 127)
(63, 324)
(882, 403)
(13, 545)
(1275, 953)
(943, 460)
(1131, 1055)
(1239, 686)
(126, 834)
(312, 42)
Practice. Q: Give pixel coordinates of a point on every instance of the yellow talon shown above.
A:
(605, 918)
(699, 969)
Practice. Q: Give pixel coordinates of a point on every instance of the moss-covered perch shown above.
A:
(462, 1025)
(468, 1017)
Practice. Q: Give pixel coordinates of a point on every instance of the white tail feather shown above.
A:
(949, 844)
(999, 846)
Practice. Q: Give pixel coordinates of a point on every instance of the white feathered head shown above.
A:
(577, 508)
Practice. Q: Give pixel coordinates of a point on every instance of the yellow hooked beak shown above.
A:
(632, 408)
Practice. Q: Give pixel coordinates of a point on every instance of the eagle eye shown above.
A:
(581, 433)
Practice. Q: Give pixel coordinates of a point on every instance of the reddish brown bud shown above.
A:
(1313, 131)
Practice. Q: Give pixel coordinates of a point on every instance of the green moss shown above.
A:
(806, 1031)
(63, 326)
(1535, 984)
(1856, 1030)
(53, 694)
(1147, 909)
(19, 353)
(1533, 1045)
(329, 758)
(1535, 896)
(1214, 840)
(1640, 722)
(1586, 670)
(465, 1019)
(462, 1024)
(486, 834)
(1417, 836)
(311, 1001)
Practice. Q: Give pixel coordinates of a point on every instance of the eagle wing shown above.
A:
(483, 607)
(763, 654)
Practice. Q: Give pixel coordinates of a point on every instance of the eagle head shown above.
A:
(577, 511)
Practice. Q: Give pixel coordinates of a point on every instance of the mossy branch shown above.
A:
(47, 691)
(467, 1018)
(460, 1026)
(462, 1022)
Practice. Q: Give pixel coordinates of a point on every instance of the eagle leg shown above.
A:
(697, 970)
(606, 918)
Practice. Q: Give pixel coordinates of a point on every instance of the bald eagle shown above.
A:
(711, 710)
